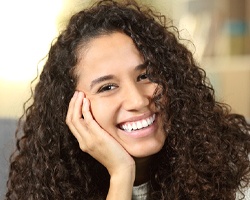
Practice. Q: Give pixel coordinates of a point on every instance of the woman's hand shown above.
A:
(102, 146)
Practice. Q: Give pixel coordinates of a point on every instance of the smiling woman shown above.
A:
(141, 120)
(106, 78)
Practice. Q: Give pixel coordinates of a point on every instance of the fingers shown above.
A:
(88, 118)
(74, 115)
(92, 138)
(82, 129)
(77, 107)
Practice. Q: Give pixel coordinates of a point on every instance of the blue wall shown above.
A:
(7, 146)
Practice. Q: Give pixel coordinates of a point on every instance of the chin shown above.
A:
(145, 151)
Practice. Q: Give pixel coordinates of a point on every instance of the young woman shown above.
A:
(122, 111)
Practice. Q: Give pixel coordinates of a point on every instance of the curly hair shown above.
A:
(205, 155)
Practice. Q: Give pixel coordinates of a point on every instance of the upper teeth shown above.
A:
(138, 124)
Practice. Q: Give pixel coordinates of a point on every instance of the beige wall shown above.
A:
(28, 29)
(230, 77)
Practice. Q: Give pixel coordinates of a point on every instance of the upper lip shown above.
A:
(136, 118)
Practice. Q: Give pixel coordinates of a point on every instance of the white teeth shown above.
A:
(129, 127)
(139, 124)
(144, 123)
(134, 126)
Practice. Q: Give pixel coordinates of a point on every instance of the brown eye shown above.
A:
(142, 77)
(106, 88)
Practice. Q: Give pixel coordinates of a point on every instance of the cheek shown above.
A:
(154, 88)
(149, 89)
(102, 113)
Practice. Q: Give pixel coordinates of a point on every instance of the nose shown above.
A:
(135, 97)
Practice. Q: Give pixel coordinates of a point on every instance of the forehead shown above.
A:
(105, 44)
(107, 51)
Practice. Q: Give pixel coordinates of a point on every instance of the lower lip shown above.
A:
(144, 132)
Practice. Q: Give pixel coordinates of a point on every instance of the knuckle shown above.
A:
(74, 120)
(82, 147)
(89, 123)
(91, 147)
(68, 121)
(88, 147)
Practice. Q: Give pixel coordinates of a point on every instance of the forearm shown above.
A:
(121, 186)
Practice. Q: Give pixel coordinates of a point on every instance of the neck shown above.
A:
(142, 170)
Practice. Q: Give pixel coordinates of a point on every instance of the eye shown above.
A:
(106, 88)
(142, 77)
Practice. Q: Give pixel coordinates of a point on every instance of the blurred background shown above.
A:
(219, 30)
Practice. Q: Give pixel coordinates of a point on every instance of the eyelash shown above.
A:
(141, 75)
(107, 87)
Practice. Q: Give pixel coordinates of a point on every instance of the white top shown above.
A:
(140, 193)
(246, 192)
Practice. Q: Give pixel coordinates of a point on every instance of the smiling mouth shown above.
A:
(137, 125)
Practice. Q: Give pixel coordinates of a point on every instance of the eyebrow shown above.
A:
(101, 79)
(109, 77)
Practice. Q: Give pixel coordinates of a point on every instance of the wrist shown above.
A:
(121, 185)
(126, 175)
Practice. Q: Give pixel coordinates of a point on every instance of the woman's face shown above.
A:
(113, 77)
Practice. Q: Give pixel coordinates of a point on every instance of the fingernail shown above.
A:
(84, 100)
(75, 94)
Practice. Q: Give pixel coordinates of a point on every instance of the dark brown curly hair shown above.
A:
(205, 155)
